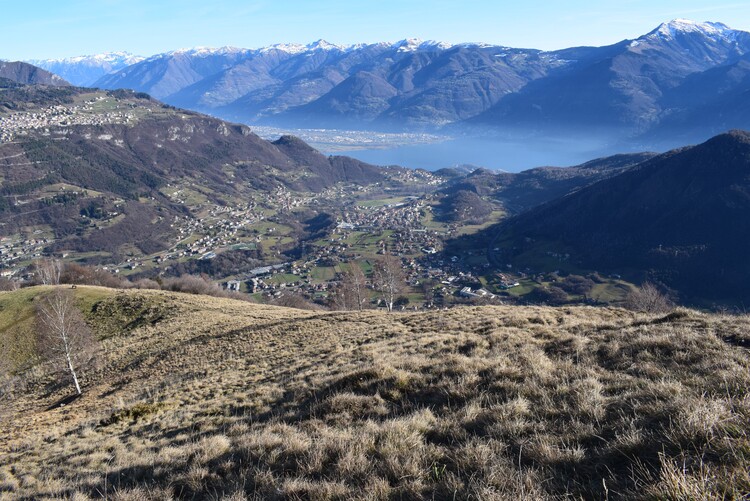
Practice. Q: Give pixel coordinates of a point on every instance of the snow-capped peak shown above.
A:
(323, 45)
(681, 26)
(204, 51)
(295, 48)
(434, 44)
(416, 44)
(290, 48)
(111, 58)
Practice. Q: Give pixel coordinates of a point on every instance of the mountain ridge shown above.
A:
(679, 218)
(25, 73)
(67, 152)
(428, 84)
(86, 69)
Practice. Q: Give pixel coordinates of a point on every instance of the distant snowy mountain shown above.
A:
(85, 70)
(202, 52)
(680, 27)
(631, 87)
(407, 82)
(683, 74)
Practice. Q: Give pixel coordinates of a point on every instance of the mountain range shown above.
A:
(661, 84)
(67, 151)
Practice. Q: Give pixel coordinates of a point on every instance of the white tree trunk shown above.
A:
(73, 373)
(63, 335)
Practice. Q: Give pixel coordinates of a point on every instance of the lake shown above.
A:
(433, 152)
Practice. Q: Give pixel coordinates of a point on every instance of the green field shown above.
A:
(381, 202)
(526, 286)
(470, 229)
(283, 278)
(270, 228)
(323, 273)
(612, 291)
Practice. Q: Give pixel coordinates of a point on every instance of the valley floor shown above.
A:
(204, 398)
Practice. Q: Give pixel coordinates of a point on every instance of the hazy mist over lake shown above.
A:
(508, 150)
(503, 154)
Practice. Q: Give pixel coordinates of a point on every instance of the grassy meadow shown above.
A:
(194, 397)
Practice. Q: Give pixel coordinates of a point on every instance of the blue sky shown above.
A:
(45, 28)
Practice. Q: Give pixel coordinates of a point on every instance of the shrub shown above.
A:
(193, 284)
(84, 275)
(296, 301)
(648, 299)
(197, 284)
(7, 284)
(576, 284)
(146, 283)
(551, 295)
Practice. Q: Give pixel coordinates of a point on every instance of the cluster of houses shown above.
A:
(399, 216)
(214, 228)
(219, 227)
(13, 251)
(417, 247)
(58, 116)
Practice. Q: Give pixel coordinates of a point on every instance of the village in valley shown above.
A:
(363, 229)
(272, 244)
(282, 259)
(362, 232)
(363, 226)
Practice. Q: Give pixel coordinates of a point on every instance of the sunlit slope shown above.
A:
(198, 397)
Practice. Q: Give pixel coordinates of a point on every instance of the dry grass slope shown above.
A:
(217, 399)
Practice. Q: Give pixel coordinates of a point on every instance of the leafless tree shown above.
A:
(388, 279)
(7, 284)
(64, 338)
(49, 271)
(647, 298)
(351, 293)
(340, 298)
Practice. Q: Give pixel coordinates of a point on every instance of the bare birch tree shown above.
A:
(351, 293)
(5, 375)
(388, 279)
(64, 338)
(358, 286)
(49, 271)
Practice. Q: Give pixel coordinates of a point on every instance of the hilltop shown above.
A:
(680, 217)
(197, 397)
(117, 172)
(527, 189)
